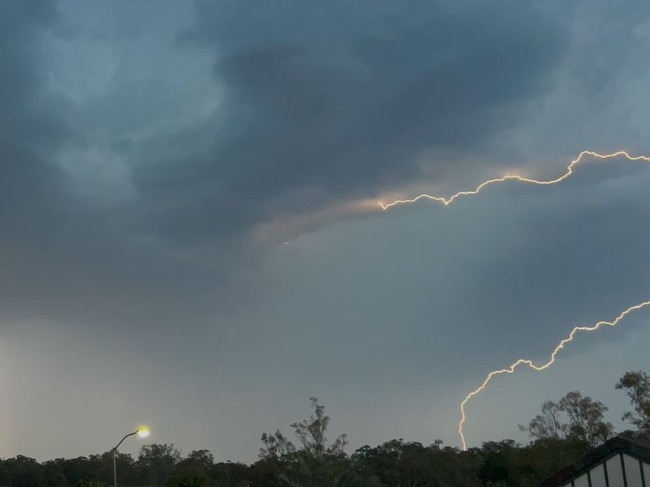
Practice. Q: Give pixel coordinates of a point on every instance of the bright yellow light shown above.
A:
(530, 364)
(514, 177)
(143, 431)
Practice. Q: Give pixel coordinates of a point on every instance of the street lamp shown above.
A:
(142, 432)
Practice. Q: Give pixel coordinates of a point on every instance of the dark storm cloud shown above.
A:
(33, 192)
(37, 204)
(62, 259)
(320, 102)
(336, 100)
(135, 182)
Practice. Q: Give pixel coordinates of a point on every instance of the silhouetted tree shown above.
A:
(53, 474)
(80, 469)
(230, 474)
(548, 424)
(156, 463)
(574, 417)
(23, 471)
(194, 471)
(495, 469)
(315, 462)
(637, 387)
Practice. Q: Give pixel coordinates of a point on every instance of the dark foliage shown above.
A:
(562, 433)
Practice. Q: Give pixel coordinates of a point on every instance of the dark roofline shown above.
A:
(603, 452)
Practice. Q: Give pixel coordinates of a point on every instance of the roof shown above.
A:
(608, 449)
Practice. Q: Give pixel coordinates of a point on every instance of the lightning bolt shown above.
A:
(515, 177)
(578, 329)
(529, 363)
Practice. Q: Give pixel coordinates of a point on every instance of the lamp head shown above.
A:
(143, 431)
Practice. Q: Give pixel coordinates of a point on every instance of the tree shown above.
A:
(575, 417)
(399, 463)
(586, 419)
(194, 471)
(311, 433)
(53, 475)
(23, 471)
(546, 425)
(276, 446)
(230, 474)
(637, 387)
(315, 462)
(80, 469)
(202, 457)
(495, 468)
(156, 463)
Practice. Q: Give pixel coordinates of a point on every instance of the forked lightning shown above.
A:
(514, 177)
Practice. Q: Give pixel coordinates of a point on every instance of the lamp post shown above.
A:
(142, 432)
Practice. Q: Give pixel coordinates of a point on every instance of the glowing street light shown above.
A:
(142, 432)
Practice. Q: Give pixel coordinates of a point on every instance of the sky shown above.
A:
(191, 236)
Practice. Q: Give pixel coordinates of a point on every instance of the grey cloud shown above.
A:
(332, 100)
(264, 111)
(602, 62)
(598, 99)
(320, 102)
(64, 256)
(33, 192)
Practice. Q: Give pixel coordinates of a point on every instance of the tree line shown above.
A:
(563, 431)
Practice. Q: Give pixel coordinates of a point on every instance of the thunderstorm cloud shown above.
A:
(190, 231)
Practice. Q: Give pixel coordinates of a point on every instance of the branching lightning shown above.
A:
(514, 177)
(529, 363)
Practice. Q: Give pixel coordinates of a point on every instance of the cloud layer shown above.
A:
(154, 158)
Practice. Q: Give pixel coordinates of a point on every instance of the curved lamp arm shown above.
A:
(114, 449)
